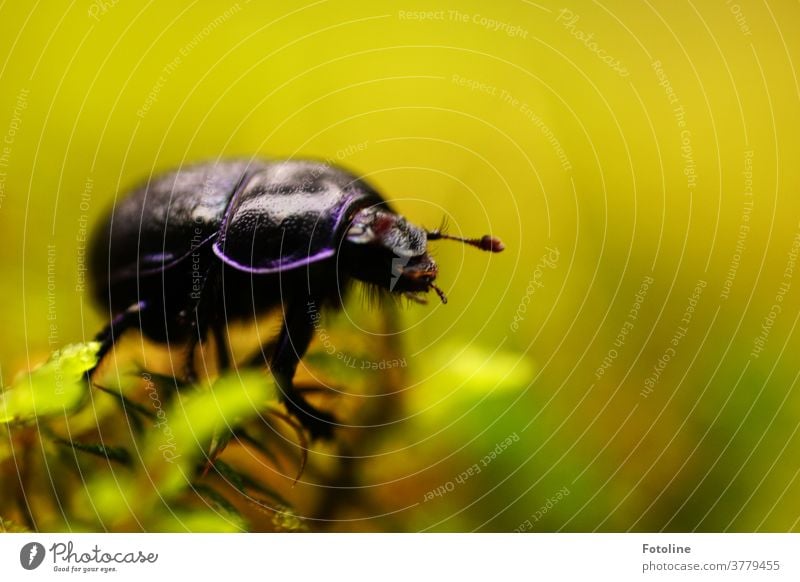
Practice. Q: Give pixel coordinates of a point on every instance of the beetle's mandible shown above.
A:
(195, 248)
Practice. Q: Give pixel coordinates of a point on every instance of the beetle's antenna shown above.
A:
(485, 243)
(440, 293)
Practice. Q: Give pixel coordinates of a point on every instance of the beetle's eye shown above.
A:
(383, 223)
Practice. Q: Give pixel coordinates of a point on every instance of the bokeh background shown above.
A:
(628, 363)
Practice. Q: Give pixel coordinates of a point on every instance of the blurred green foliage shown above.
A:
(448, 115)
(55, 387)
(119, 465)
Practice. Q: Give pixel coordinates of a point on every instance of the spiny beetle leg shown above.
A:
(319, 424)
(295, 336)
(109, 335)
(221, 341)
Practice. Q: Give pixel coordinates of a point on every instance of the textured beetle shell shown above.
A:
(260, 217)
(289, 215)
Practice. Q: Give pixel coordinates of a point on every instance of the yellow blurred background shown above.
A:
(632, 355)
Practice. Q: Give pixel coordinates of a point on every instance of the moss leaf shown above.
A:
(55, 387)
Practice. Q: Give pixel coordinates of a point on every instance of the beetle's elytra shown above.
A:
(195, 248)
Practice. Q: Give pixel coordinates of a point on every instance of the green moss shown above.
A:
(130, 459)
(56, 387)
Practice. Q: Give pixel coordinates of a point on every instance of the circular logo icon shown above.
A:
(31, 555)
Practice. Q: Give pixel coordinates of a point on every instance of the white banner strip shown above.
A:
(378, 557)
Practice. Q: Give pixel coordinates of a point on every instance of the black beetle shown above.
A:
(192, 249)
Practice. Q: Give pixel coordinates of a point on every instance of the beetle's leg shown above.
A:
(111, 333)
(293, 340)
(189, 370)
(223, 360)
(262, 356)
(200, 326)
(219, 324)
(191, 319)
(200, 313)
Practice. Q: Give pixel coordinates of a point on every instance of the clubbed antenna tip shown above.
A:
(485, 243)
(492, 243)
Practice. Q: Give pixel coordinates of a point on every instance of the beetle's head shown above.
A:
(384, 249)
